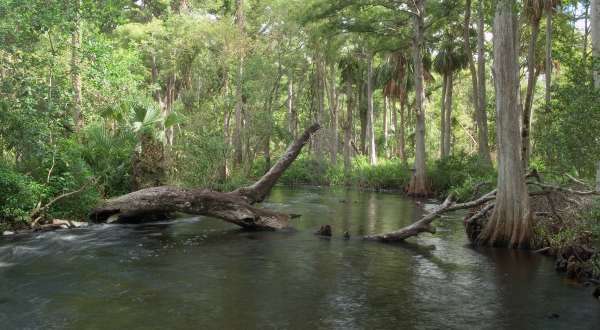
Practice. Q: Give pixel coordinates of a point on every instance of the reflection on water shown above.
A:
(202, 273)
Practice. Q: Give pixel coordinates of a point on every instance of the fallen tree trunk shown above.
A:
(235, 207)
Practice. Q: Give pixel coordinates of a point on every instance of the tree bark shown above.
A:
(595, 20)
(320, 86)
(510, 223)
(548, 52)
(481, 117)
(419, 185)
(466, 37)
(370, 123)
(385, 127)
(443, 117)
(363, 112)
(348, 122)
(403, 155)
(237, 133)
(334, 112)
(531, 80)
(290, 105)
(448, 133)
(235, 207)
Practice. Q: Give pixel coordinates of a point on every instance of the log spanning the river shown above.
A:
(235, 207)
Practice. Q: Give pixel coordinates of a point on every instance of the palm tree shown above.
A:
(396, 77)
(447, 62)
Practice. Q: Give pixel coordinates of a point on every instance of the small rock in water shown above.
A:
(596, 293)
(6, 233)
(552, 315)
(346, 234)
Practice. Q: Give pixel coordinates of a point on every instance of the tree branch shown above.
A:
(35, 222)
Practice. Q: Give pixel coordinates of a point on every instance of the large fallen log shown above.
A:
(235, 207)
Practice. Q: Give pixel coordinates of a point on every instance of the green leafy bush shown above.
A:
(458, 173)
(18, 195)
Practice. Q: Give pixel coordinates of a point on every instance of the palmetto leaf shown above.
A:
(174, 118)
(144, 112)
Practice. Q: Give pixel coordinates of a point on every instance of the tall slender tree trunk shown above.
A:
(443, 117)
(171, 96)
(370, 123)
(385, 126)
(527, 112)
(595, 20)
(585, 34)
(482, 126)
(297, 100)
(290, 106)
(449, 90)
(479, 107)
(237, 133)
(76, 78)
(403, 155)
(334, 110)
(226, 124)
(510, 223)
(419, 185)
(548, 53)
(395, 123)
(363, 111)
(348, 122)
(320, 86)
(267, 153)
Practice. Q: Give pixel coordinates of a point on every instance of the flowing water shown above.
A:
(201, 273)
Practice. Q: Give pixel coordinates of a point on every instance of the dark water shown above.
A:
(201, 273)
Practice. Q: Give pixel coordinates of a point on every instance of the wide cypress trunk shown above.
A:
(510, 224)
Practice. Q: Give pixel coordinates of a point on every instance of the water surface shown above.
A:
(201, 273)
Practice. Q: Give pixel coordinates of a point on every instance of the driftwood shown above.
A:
(235, 207)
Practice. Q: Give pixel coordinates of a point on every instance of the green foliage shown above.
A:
(567, 131)
(109, 156)
(458, 173)
(18, 195)
(200, 159)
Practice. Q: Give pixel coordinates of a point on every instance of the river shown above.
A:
(201, 273)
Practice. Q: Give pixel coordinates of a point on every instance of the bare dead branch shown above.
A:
(476, 189)
(589, 186)
(39, 203)
(479, 215)
(423, 225)
(35, 222)
(574, 192)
